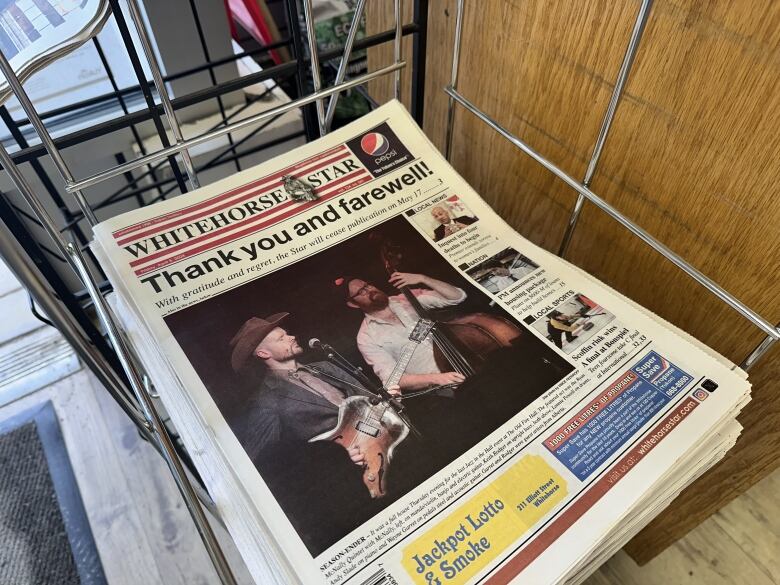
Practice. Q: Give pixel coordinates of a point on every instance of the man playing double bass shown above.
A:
(511, 376)
(389, 320)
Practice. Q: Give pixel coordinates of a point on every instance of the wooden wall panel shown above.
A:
(692, 158)
(380, 18)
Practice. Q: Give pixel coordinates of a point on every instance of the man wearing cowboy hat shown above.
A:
(319, 489)
(294, 402)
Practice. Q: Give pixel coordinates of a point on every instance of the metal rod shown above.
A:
(122, 104)
(372, 41)
(194, 480)
(397, 49)
(132, 182)
(760, 350)
(219, 159)
(37, 252)
(92, 357)
(47, 223)
(65, 323)
(419, 54)
(453, 80)
(43, 176)
(211, 65)
(124, 92)
(212, 75)
(275, 71)
(609, 115)
(237, 126)
(141, 391)
(341, 74)
(43, 134)
(678, 261)
(196, 97)
(293, 28)
(232, 148)
(35, 204)
(314, 59)
(35, 285)
(146, 88)
(118, 194)
(45, 220)
(159, 83)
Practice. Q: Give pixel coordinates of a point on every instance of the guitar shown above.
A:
(372, 425)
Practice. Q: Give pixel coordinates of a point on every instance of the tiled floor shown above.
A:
(32, 354)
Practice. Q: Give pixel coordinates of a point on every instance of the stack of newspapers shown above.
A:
(381, 382)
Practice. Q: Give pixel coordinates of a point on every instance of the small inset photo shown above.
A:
(574, 322)
(443, 218)
(502, 270)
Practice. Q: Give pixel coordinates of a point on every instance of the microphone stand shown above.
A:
(357, 372)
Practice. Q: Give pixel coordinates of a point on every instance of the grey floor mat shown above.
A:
(44, 531)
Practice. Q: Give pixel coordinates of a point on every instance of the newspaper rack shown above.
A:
(115, 365)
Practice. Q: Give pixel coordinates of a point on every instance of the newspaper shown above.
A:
(380, 381)
(35, 34)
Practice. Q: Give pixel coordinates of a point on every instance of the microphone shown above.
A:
(315, 343)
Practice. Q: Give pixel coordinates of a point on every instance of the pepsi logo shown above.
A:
(374, 144)
(379, 149)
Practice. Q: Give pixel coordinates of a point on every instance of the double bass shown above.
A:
(461, 344)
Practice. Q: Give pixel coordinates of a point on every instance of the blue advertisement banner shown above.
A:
(612, 418)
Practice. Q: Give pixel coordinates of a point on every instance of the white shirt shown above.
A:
(381, 341)
(497, 282)
(521, 271)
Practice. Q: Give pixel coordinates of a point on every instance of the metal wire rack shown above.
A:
(46, 253)
(583, 187)
(47, 248)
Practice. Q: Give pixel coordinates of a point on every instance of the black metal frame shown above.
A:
(294, 75)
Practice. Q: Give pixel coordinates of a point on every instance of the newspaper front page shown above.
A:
(531, 409)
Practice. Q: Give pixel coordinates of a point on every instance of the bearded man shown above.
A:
(294, 402)
(388, 321)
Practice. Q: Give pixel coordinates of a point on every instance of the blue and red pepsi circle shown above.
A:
(374, 144)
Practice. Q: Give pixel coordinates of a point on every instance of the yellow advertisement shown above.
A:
(470, 537)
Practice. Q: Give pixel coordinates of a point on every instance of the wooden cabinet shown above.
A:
(692, 157)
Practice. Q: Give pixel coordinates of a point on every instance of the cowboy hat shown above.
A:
(252, 332)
